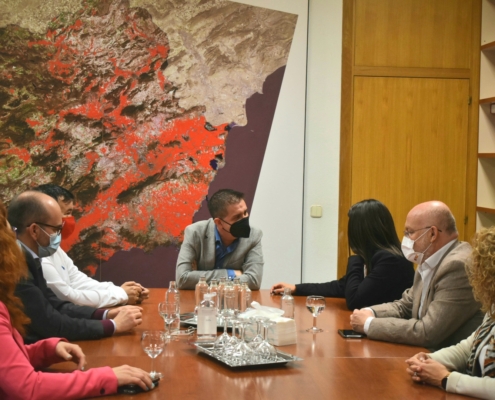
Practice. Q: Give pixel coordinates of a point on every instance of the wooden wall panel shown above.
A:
(413, 33)
(410, 138)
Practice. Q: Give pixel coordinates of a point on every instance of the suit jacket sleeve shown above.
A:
(52, 317)
(252, 268)
(82, 289)
(451, 305)
(20, 380)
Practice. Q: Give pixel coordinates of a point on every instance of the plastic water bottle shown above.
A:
(237, 289)
(207, 318)
(244, 297)
(172, 295)
(287, 304)
(200, 291)
(221, 294)
(214, 289)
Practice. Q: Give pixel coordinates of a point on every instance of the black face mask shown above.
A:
(240, 229)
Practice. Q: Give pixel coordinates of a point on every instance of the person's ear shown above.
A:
(434, 233)
(217, 222)
(33, 231)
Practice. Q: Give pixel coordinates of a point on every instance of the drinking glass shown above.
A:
(224, 338)
(258, 338)
(169, 312)
(243, 354)
(265, 352)
(153, 343)
(315, 305)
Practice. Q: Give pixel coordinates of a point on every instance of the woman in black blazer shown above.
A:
(377, 273)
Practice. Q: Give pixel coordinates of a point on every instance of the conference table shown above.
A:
(332, 367)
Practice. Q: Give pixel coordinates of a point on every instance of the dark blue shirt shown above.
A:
(221, 251)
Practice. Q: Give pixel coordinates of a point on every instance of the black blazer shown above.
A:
(389, 277)
(50, 316)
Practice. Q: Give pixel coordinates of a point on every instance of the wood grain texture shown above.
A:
(333, 367)
(414, 33)
(410, 137)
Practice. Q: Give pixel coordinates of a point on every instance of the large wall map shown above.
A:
(129, 105)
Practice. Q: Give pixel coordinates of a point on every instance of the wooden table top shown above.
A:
(333, 367)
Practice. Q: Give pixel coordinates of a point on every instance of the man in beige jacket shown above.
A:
(439, 310)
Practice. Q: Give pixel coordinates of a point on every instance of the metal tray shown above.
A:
(193, 322)
(282, 358)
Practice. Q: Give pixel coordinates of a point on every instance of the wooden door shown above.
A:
(409, 143)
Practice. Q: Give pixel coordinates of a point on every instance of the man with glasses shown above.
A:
(37, 220)
(223, 246)
(439, 310)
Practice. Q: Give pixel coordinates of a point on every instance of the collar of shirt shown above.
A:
(35, 256)
(432, 261)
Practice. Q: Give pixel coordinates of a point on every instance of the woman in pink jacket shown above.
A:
(19, 363)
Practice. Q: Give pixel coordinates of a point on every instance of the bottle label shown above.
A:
(207, 321)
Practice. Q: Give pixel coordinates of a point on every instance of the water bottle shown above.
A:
(207, 319)
(230, 299)
(287, 304)
(237, 289)
(247, 298)
(172, 295)
(221, 293)
(200, 291)
(214, 289)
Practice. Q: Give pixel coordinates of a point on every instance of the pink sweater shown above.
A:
(19, 378)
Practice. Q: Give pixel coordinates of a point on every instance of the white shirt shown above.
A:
(426, 272)
(70, 284)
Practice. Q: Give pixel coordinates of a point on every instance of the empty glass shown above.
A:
(153, 343)
(169, 312)
(258, 338)
(243, 353)
(265, 352)
(224, 338)
(315, 305)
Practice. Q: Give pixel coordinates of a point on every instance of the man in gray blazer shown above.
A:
(439, 310)
(223, 246)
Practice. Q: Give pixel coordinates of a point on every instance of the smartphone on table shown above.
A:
(135, 389)
(350, 334)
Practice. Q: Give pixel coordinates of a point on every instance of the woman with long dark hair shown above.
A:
(377, 273)
(20, 377)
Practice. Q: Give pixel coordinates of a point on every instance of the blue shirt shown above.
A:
(221, 251)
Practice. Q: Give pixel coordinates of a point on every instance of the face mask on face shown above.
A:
(69, 226)
(407, 248)
(240, 229)
(47, 251)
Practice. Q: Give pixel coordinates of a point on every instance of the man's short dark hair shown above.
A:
(56, 192)
(25, 209)
(217, 205)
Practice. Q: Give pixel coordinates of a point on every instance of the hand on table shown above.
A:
(278, 288)
(358, 318)
(423, 369)
(127, 375)
(126, 317)
(133, 291)
(71, 352)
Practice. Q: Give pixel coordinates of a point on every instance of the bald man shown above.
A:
(439, 310)
(37, 219)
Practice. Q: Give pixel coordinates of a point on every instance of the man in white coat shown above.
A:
(67, 281)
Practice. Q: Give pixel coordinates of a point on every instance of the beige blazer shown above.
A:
(449, 313)
(197, 257)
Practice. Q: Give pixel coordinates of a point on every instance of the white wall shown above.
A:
(301, 164)
(321, 173)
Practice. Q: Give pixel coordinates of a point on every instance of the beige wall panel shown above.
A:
(413, 33)
(409, 145)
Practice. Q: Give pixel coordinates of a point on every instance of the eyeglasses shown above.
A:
(58, 229)
(408, 234)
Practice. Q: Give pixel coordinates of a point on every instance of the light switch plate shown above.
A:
(316, 211)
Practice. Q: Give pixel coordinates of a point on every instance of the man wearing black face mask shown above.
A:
(38, 221)
(223, 246)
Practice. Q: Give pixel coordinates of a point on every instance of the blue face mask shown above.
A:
(47, 251)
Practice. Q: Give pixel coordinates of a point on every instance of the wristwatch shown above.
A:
(444, 382)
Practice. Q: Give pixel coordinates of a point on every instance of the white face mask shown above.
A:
(407, 248)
